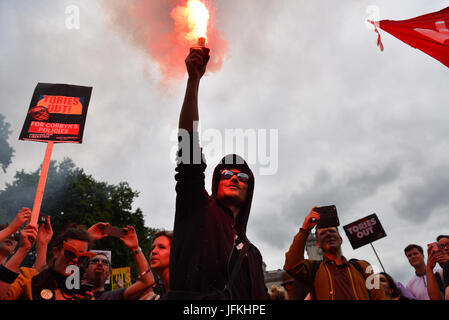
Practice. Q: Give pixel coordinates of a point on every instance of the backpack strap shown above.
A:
(357, 266)
(315, 266)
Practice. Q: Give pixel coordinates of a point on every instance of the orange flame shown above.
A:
(147, 25)
(196, 16)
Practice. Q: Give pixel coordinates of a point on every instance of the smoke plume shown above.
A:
(157, 28)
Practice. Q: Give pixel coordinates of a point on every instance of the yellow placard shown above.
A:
(121, 278)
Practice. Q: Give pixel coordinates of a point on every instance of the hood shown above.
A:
(233, 161)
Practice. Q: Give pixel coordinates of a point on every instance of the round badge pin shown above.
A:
(46, 294)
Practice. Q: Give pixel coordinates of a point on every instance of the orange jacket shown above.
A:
(20, 289)
(29, 279)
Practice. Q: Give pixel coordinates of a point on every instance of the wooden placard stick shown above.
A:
(41, 184)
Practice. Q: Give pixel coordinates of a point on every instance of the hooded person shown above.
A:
(211, 256)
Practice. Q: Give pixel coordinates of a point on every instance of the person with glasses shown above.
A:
(99, 270)
(443, 242)
(211, 256)
(52, 283)
(437, 253)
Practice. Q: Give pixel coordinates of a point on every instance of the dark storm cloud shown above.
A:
(344, 190)
(357, 127)
(424, 196)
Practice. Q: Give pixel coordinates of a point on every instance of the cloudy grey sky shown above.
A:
(364, 130)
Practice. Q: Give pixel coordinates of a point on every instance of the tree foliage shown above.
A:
(72, 196)
(6, 151)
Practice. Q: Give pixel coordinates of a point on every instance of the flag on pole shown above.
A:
(428, 33)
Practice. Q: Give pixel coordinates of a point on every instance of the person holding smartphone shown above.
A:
(70, 247)
(9, 269)
(437, 254)
(24, 240)
(99, 268)
(334, 278)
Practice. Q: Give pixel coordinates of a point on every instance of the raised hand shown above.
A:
(196, 62)
(311, 220)
(96, 232)
(28, 237)
(23, 216)
(130, 239)
(45, 233)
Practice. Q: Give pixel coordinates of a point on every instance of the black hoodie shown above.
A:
(203, 241)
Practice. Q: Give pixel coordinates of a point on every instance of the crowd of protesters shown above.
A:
(332, 278)
(208, 255)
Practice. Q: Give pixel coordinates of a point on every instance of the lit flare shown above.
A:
(198, 20)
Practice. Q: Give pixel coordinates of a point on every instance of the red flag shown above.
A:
(428, 33)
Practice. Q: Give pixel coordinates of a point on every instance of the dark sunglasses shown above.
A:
(71, 253)
(443, 246)
(104, 262)
(228, 174)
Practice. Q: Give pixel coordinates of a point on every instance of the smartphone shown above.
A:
(114, 232)
(42, 219)
(434, 247)
(16, 236)
(328, 217)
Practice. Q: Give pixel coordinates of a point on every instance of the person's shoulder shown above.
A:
(362, 263)
(411, 281)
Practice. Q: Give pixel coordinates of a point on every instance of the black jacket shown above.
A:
(203, 239)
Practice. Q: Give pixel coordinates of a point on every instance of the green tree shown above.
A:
(72, 196)
(6, 151)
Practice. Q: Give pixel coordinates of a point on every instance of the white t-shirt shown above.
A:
(418, 286)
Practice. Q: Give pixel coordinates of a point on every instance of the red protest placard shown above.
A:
(57, 113)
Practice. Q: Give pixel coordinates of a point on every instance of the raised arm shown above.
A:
(145, 279)
(44, 236)
(196, 63)
(294, 257)
(432, 286)
(27, 238)
(190, 169)
(24, 215)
